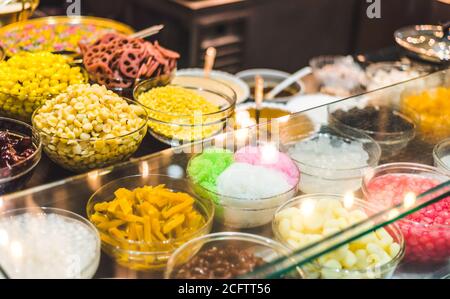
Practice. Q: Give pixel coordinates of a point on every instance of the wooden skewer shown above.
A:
(259, 96)
(210, 57)
(147, 32)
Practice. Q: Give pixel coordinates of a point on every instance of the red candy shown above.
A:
(116, 60)
(427, 231)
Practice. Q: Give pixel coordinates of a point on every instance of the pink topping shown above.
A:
(269, 157)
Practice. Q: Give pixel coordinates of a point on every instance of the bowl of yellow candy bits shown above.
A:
(180, 113)
(142, 219)
(28, 79)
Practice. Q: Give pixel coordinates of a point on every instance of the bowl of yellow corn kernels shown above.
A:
(143, 218)
(310, 218)
(181, 114)
(28, 80)
(89, 127)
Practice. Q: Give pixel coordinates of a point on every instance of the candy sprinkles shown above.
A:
(40, 245)
(329, 164)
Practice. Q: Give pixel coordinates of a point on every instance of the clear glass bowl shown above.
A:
(242, 212)
(430, 107)
(382, 74)
(17, 11)
(235, 212)
(271, 79)
(441, 155)
(15, 177)
(20, 108)
(78, 266)
(187, 77)
(262, 247)
(127, 252)
(391, 143)
(125, 87)
(425, 243)
(317, 179)
(82, 155)
(316, 268)
(221, 82)
(2, 53)
(175, 129)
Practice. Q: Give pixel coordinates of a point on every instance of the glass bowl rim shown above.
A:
(376, 157)
(229, 107)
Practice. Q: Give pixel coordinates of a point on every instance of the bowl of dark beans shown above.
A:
(223, 256)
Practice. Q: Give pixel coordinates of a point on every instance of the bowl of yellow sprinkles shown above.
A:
(184, 113)
(142, 219)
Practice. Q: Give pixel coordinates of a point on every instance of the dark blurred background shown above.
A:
(280, 34)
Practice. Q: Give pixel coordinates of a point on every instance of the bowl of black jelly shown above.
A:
(20, 152)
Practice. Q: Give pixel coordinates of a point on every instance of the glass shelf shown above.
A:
(73, 193)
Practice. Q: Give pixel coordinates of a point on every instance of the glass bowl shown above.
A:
(175, 129)
(82, 155)
(235, 212)
(2, 53)
(128, 253)
(183, 78)
(271, 79)
(26, 239)
(427, 241)
(222, 82)
(244, 211)
(382, 74)
(441, 155)
(431, 107)
(391, 143)
(315, 178)
(21, 107)
(338, 75)
(264, 248)
(311, 207)
(16, 176)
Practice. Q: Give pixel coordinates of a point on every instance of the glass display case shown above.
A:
(367, 159)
